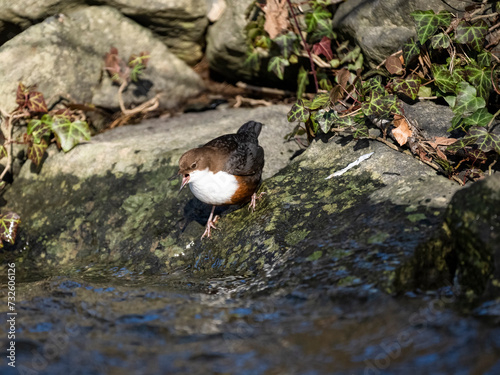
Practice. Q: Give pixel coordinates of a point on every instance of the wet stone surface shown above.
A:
(346, 275)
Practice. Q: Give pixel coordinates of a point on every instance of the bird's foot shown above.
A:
(208, 228)
(253, 202)
(210, 223)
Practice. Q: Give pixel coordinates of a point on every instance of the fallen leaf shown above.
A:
(393, 65)
(343, 76)
(401, 130)
(276, 17)
(441, 154)
(441, 141)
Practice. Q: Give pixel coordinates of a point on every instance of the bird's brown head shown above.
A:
(192, 160)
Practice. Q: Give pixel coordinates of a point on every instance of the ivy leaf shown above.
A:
(485, 141)
(9, 223)
(319, 22)
(408, 86)
(428, 22)
(21, 94)
(424, 91)
(440, 40)
(379, 105)
(252, 60)
(36, 151)
(484, 59)
(39, 128)
(393, 65)
(69, 134)
(350, 121)
(472, 35)
(460, 144)
(480, 118)
(443, 79)
(480, 79)
(277, 65)
(326, 119)
(302, 81)
(323, 48)
(285, 43)
(411, 49)
(374, 85)
(467, 102)
(298, 112)
(319, 101)
(361, 132)
(36, 102)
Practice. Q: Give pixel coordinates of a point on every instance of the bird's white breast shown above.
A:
(213, 188)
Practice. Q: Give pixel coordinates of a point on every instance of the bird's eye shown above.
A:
(193, 166)
(186, 175)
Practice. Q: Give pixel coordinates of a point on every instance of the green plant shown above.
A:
(283, 33)
(123, 74)
(450, 60)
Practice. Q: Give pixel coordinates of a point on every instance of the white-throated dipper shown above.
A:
(225, 171)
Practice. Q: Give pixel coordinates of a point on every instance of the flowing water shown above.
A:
(124, 323)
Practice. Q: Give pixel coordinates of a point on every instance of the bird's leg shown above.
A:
(210, 223)
(253, 202)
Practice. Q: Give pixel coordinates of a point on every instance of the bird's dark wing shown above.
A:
(245, 156)
(246, 160)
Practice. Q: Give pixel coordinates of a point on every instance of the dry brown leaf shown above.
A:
(441, 154)
(441, 141)
(276, 17)
(393, 65)
(343, 76)
(401, 130)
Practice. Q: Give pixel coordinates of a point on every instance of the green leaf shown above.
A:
(424, 91)
(374, 85)
(326, 119)
(352, 55)
(411, 49)
(445, 164)
(252, 60)
(302, 81)
(443, 79)
(460, 144)
(358, 64)
(320, 101)
(285, 43)
(69, 134)
(408, 86)
(36, 152)
(467, 102)
(427, 22)
(440, 40)
(457, 123)
(9, 223)
(480, 118)
(39, 128)
(319, 23)
(485, 141)
(472, 35)
(298, 112)
(378, 105)
(480, 79)
(484, 59)
(3, 152)
(361, 132)
(277, 65)
(350, 121)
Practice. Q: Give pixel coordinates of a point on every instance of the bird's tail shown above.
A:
(251, 126)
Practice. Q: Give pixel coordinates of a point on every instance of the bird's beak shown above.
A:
(185, 181)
